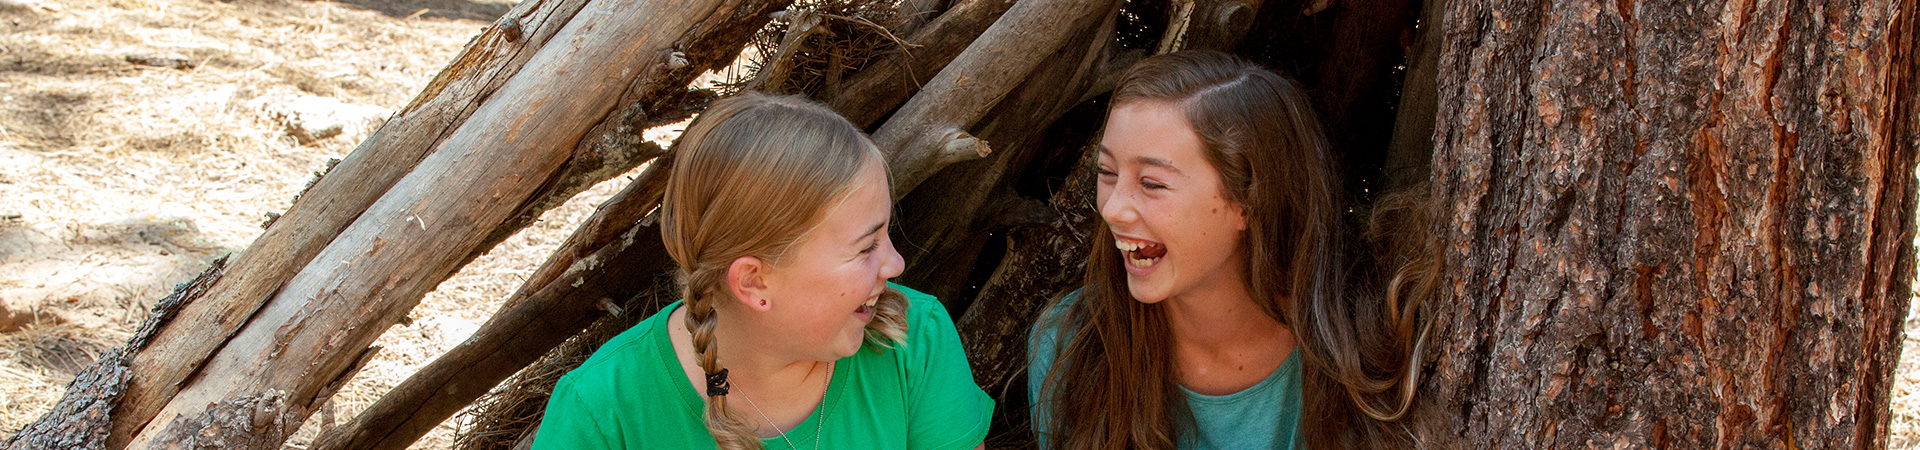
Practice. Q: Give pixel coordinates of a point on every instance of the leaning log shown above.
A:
(930, 130)
(609, 258)
(292, 337)
(890, 79)
(319, 214)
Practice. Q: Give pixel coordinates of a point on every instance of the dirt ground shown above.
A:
(140, 139)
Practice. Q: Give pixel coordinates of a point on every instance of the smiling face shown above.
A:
(1175, 227)
(822, 291)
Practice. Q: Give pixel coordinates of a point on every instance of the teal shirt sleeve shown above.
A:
(947, 409)
(1042, 348)
(569, 423)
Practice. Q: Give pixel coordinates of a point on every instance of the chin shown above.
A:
(1145, 294)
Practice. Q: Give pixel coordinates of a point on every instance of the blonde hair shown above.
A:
(750, 176)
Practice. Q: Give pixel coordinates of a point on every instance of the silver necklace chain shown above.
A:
(817, 424)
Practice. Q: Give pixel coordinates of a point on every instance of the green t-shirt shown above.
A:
(633, 394)
(1264, 416)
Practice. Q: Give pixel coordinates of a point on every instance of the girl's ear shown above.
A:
(1241, 215)
(747, 280)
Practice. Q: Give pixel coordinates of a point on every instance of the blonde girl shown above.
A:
(788, 335)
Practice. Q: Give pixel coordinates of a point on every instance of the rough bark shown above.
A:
(1673, 225)
(83, 416)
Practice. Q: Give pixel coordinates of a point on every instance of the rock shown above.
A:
(311, 118)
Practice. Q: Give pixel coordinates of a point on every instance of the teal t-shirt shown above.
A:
(633, 394)
(1264, 416)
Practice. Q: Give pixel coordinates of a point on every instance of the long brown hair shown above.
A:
(1113, 384)
(751, 175)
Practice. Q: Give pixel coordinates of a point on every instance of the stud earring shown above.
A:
(763, 302)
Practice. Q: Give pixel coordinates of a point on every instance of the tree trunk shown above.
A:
(1673, 225)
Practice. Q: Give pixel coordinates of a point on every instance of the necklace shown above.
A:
(816, 424)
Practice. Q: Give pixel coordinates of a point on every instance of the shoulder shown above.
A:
(1046, 328)
(631, 360)
(923, 309)
(635, 343)
(627, 394)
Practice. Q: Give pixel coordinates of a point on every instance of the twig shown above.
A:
(904, 45)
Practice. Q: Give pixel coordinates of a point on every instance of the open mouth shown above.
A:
(1140, 253)
(867, 308)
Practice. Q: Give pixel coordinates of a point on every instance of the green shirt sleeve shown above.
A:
(946, 408)
(569, 423)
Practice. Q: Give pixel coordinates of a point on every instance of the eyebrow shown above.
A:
(1147, 160)
(876, 229)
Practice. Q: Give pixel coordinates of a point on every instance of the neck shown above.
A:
(761, 371)
(1219, 316)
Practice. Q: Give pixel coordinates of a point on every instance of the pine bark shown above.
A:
(1673, 225)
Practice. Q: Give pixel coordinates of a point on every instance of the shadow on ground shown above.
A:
(480, 10)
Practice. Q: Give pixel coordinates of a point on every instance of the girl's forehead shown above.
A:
(858, 212)
(1150, 134)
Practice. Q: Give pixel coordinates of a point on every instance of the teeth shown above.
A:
(1128, 246)
(1142, 262)
(874, 301)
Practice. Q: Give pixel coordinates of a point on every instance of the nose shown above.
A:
(1117, 207)
(891, 264)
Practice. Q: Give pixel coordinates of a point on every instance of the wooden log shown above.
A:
(890, 80)
(1208, 24)
(915, 14)
(609, 258)
(952, 218)
(616, 147)
(1221, 24)
(929, 131)
(318, 324)
(181, 348)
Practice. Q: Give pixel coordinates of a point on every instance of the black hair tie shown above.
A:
(717, 383)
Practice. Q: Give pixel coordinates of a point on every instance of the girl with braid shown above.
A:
(1213, 314)
(788, 335)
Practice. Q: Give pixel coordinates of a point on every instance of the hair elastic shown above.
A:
(717, 383)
